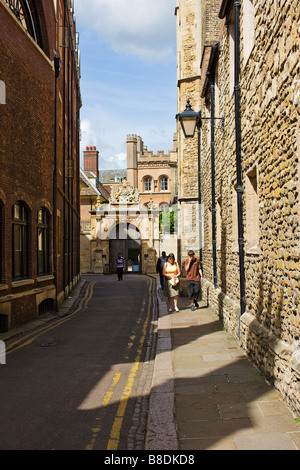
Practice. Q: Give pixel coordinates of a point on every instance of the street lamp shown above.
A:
(188, 120)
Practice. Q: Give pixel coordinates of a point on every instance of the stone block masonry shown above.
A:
(270, 170)
(269, 110)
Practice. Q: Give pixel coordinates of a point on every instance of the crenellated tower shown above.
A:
(132, 149)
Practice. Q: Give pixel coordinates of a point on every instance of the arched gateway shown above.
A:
(125, 238)
(126, 226)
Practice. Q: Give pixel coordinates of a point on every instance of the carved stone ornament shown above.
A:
(124, 193)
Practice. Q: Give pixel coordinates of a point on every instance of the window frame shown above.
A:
(26, 13)
(164, 183)
(20, 228)
(148, 184)
(43, 236)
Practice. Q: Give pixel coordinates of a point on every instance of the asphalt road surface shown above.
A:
(74, 383)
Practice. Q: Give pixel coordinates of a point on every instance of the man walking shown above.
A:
(194, 276)
(120, 265)
(159, 267)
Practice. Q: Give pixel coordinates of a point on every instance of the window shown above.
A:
(252, 212)
(217, 94)
(234, 229)
(2, 92)
(164, 186)
(209, 226)
(43, 239)
(25, 11)
(148, 184)
(58, 233)
(20, 241)
(219, 226)
(208, 125)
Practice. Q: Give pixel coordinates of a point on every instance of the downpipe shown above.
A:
(237, 6)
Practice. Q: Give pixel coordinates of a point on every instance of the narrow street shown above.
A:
(76, 382)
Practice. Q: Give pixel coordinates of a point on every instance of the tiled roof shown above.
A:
(89, 189)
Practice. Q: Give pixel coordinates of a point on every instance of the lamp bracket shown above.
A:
(222, 119)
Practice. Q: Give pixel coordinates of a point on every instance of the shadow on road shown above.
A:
(72, 388)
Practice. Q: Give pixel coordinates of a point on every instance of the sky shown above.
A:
(128, 75)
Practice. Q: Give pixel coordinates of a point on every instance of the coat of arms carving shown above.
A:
(125, 193)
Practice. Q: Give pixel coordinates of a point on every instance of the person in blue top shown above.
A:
(120, 265)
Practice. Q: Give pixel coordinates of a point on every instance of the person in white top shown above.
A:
(171, 272)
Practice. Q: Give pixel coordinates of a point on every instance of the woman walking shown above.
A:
(171, 271)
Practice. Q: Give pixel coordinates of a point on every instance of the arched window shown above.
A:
(20, 240)
(26, 13)
(43, 239)
(164, 183)
(148, 183)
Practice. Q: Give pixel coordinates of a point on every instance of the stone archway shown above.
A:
(125, 238)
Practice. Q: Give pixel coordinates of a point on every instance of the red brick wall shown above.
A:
(27, 150)
(24, 309)
(26, 156)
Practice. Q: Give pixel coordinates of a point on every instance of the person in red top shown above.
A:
(194, 276)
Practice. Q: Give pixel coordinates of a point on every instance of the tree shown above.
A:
(168, 220)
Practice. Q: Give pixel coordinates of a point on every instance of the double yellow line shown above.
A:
(114, 437)
(28, 339)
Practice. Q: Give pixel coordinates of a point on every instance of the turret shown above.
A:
(132, 174)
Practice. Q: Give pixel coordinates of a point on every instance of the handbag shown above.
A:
(174, 281)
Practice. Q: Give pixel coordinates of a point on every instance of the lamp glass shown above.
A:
(188, 125)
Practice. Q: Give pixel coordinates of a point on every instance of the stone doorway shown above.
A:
(126, 239)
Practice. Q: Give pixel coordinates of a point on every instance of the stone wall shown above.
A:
(269, 108)
(269, 330)
(189, 56)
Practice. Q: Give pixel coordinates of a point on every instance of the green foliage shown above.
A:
(168, 220)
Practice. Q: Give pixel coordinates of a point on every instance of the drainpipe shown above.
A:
(199, 190)
(57, 66)
(210, 79)
(224, 11)
(211, 76)
(237, 5)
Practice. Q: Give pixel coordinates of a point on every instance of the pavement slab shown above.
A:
(220, 401)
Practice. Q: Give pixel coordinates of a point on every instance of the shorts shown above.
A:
(193, 289)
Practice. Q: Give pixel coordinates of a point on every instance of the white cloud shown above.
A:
(121, 159)
(120, 94)
(111, 144)
(143, 28)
